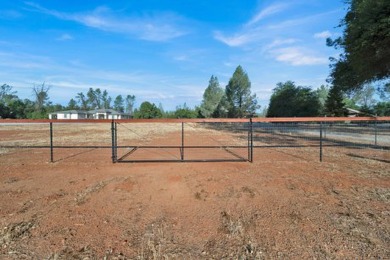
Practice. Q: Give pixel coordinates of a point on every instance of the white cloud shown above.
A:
(250, 32)
(65, 37)
(298, 56)
(181, 58)
(284, 25)
(233, 41)
(279, 42)
(153, 27)
(256, 38)
(270, 10)
(323, 35)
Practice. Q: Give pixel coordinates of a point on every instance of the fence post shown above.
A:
(113, 141)
(325, 129)
(321, 141)
(251, 146)
(116, 141)
(182, 142)
(51, 143)
(249, 142)
(376, 131)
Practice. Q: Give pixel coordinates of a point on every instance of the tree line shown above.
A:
(235, 100)
(98, 99)
(11, 106)
(290, 100)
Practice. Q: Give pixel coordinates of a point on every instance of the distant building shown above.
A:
(69, 114)
(107, 114)
(92, 114)
(354, 113)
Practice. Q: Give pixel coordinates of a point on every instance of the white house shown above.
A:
(69, 114)
(92, 114)
(108, 114)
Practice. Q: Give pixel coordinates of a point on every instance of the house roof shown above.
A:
(106, 111)
(90, 112)
(350, 110)
(70, 112)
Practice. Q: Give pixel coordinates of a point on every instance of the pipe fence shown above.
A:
(200, 140)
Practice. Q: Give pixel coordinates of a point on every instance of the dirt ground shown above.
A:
(286, 204)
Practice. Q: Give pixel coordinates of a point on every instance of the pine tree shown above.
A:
(211, 98)
(119, 104)
(238, 93)
(334, 103)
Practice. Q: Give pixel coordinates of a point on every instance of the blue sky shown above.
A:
(164, 51)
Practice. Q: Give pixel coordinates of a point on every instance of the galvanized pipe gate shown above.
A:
(183, 147)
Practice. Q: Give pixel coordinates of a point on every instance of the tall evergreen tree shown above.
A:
(119, 104)
(334, 105)
(211, 98)
(95, 98)
(72, 104)
(129, 104)
(83, 101)
(241, 102)
(105, 100)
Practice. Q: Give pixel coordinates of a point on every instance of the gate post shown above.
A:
(113, 145)
(321, 141)
(251, 140)
(182, 142)
(376, 131)
(51, 143)
(116, 141)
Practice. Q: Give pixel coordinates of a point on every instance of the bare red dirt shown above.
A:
(286, 204)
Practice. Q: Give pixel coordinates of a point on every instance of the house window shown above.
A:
(65, 116)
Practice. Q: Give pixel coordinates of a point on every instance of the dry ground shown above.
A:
(286, 204)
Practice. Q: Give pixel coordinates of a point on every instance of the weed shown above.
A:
(15, 231)
(201, 195)
(82, 197)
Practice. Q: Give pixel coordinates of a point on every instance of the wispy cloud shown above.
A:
(260, 33)
(323, 35)
(298, 56)
(65, 37)
(235, 40)
(290, 23)
(182, 57)
(270, 10)
(250, 31)
(23, 61)
(151, 27)
(281, 42)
